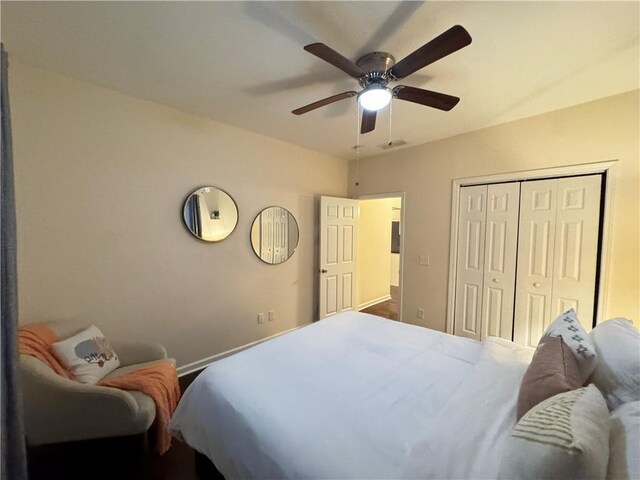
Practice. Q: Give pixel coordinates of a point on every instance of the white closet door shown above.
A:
(534, 282)
(501, 244)
(470, 261)
(576, 247)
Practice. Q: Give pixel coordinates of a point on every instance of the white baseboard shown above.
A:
(375, 301)
(200, 364)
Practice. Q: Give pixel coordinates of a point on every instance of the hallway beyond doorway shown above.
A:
(387, 309)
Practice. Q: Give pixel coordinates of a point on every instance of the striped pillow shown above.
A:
(563, 437)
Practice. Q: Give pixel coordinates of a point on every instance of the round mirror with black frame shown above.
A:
(274, 235)
(210, 214)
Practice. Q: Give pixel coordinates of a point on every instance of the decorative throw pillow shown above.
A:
(624, 442)
(568, 327)
(88, 355)
(565, 437)
(552, 370)
(617, 375)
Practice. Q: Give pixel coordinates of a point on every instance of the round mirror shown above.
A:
(274, 235)
(210, 214)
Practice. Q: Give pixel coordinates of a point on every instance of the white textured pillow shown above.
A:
(624, 442)
(564, 437)
(617, 375)
(576, 338)
(88, 355)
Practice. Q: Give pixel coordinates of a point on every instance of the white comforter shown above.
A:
(356, 396)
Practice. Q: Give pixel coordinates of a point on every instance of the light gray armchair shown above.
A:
(58, 410)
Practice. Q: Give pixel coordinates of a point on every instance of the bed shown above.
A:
(356, 396)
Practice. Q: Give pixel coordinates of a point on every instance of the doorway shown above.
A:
(379, 253)
(361, 255)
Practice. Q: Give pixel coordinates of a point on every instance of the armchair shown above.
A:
(58, 410)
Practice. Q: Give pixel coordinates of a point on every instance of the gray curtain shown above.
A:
(13, 445)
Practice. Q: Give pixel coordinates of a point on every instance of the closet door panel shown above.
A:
(470, 261)
(534, 279)
(576, 246)
(500, 259)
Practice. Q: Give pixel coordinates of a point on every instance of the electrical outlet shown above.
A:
(272, 315)
(420, 314)
(261, 318)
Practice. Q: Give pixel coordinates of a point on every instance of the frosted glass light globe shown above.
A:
(374, 98)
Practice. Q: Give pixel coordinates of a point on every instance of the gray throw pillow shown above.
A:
(574, 335)
(552, 370)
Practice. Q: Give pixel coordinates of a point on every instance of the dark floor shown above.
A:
(106, 460)
(388, 309)
(177, 464)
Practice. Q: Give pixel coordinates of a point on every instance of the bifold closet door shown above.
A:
(501, 244)
(557, 253)
(534, 280)
(576, 248)
(486, 262)
(470, 261)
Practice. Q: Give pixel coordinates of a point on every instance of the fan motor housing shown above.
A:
(376, 64)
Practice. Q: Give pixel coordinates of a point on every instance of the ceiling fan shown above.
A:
(375, 70)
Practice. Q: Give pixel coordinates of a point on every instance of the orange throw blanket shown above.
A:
(159, 381)
(36, 340)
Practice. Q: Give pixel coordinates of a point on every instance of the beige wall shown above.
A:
(374, 251)
(100, 182)
(593, 132)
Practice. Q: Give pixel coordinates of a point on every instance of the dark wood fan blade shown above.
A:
(329, 55)
(446, 43)
(368, 121)
(437, 100)
(323, 102)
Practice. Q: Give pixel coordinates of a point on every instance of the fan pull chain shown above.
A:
(357, 143)
(390, 116)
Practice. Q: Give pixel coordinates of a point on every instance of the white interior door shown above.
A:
(470, 261)
(576, 247)
(338, 237)
(534, 282)
(500, 251)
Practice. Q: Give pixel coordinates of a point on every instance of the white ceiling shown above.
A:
(242, 63)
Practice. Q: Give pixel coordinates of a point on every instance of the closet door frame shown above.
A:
(608, 169)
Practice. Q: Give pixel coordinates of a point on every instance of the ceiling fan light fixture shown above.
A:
(374, 98)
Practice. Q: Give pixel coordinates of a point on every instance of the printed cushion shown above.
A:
(569, 328)
(87, 355)
(624, 442)
(617, 375)
(552, 370)
(565, 437)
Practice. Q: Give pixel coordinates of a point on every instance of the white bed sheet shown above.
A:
(356, 396)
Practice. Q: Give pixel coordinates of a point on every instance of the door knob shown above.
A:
(324, 270)
(496, 280)
(536, 284)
